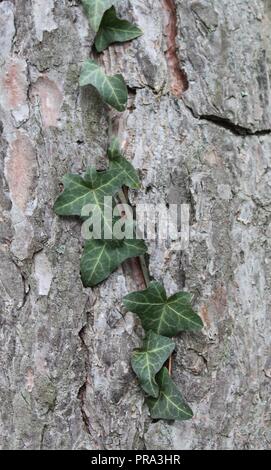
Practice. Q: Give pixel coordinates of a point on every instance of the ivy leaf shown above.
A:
(89, 189)
(165, 316)
(94, 10)
(148, 360)
(119, 163)
(113, 29)
(112, 89)
(102, 257)
(170, 403)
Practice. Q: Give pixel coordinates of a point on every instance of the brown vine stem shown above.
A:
(170, 364)
(137, 266)
(124, 200)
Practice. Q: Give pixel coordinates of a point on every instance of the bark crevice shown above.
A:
(227, 124)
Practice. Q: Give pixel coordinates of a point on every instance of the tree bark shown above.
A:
(198, 129)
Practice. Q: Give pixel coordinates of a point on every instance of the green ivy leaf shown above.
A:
(165, 316)
(119, 163)
(112, 89)
(89, 189)
(102, 257)
(95, 9)
(113, 29)
(148, 360)
(170, 403)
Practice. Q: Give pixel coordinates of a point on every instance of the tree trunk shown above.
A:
(198, 128)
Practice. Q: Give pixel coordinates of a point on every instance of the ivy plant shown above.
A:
(118, 162)
(113, 29)
(91, 188)
(101, 256)
(95, 10)
(148, 360)
(170, 403)
(112, 89)
(161, 316)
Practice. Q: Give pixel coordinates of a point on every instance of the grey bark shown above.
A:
(198, 128)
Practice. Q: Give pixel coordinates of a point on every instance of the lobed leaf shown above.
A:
(93, 186)
(148, 360)
(119, 163)
(113, 29)
(165, 316)
(102, 257)
(89, 189)
(170, 403)
(95, 10)
(112, 89)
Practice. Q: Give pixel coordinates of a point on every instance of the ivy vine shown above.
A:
(162, 317)
(113, 89)
(113, 29)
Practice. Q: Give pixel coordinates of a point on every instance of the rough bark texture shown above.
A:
(198, 128)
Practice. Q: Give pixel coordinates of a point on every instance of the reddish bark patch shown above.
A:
(219, 298)
(50, 98)
(178, 78)
(14, 83)
(217, 306)
(204, 315)
(20, 169)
